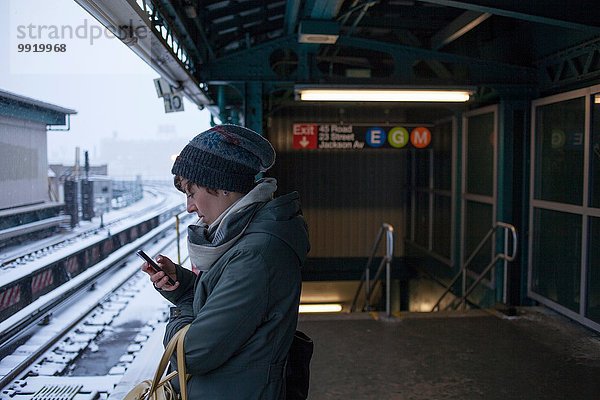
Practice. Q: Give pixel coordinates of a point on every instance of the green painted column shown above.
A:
(253, 106)
(457, 196)
(513, 193)
(504, 177)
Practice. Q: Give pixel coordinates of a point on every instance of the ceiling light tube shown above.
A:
(417, 95)
(319, 308)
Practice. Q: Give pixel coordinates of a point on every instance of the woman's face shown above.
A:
(207, 204)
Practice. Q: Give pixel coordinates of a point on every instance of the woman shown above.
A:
(248, 248)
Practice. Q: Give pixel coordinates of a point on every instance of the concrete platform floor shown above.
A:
(459, 355)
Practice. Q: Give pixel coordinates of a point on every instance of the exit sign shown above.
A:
(305, 136)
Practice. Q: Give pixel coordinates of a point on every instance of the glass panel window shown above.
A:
(593, 288)
(556, 257)
(409, 214)
(595, 153)
(422, 220)
(559, 152)
(442, 157)
(480, 154)
(478, 221)
(422, 168)
(442, 225)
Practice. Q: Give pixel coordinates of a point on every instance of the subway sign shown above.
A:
(357, 137)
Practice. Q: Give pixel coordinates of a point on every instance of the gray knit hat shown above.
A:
(226, 157)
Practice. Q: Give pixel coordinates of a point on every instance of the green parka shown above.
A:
(243, 311)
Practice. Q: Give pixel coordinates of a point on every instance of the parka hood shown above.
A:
(282, 218)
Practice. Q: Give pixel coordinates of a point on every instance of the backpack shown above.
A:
(297, 368)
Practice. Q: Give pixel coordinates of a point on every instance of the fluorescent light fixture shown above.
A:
(319, 308)
(597, 99)
(366, 94)
(318, 31)
(317, 38)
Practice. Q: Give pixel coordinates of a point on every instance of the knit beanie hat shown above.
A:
(225, 157)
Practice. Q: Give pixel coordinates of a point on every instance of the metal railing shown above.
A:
(366, 281)
(499, 256)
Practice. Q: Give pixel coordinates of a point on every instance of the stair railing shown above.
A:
(499, 256)
(366, 281)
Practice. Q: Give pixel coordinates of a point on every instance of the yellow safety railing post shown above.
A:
(178, 248)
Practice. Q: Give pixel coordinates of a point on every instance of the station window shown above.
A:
(409, 217)
(421, 168)
(442, 225)
(479, 189)
(442, 161)
(559, 151)
(594, 178)
(422, 219)
(480, 154)
(556, 258)
(429, 202)
(478, 220)
(593, 288)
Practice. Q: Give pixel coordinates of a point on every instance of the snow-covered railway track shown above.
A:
(35, 354)
(27, 253)
(23, 285)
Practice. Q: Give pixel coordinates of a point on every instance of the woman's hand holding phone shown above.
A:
(163, 278)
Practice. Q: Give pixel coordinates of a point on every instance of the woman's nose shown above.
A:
(191, 207)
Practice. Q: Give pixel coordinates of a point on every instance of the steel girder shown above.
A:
(577, 64)
(253, 64)
(578, 15)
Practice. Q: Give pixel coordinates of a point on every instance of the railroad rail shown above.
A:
(22, 284)
(32, 227)
(82, 309)
(21, 257)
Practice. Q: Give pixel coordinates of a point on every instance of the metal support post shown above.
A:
(178, 247)
(388, 280)
(368, 289)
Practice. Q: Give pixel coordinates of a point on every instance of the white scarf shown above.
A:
(206, 243)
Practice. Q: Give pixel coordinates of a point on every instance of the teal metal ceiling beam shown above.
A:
(178, 30)
(465, 22)
(248, 64)
(575, 65)
(243, 7)
(207, 45)
(323, 9)
(479, 69)
(566, 14)
(408, 38)
(292, 8)
(253, 64)
(253, 102)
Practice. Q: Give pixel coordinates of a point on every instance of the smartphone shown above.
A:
(153, 264)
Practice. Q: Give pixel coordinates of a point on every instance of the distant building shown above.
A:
(70, 171)
(24, 189)
(23, 148)
(150, 158)
(58, 173)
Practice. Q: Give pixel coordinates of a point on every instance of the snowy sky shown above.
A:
(108, 85)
